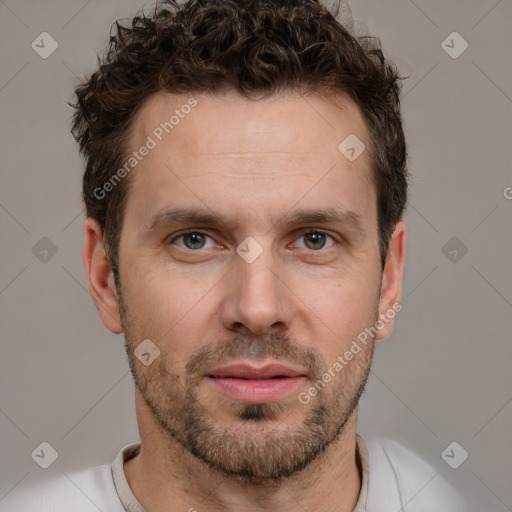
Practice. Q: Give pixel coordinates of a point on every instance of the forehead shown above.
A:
(216, 149)
(229, 122)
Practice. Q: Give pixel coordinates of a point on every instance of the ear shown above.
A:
(392, 278)
(100, 277)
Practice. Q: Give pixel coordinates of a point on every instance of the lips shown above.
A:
(252, 384)
(243, 371)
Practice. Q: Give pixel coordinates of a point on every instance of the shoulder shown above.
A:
(401, 479)
(85, 491)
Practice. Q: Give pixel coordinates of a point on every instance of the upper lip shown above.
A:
(246, 371)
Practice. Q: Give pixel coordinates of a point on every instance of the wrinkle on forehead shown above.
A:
(230, 144)
(288, 123)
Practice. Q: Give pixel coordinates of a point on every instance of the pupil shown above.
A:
(194, 240)
(315, 240)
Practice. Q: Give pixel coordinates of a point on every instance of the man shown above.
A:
(244, 186)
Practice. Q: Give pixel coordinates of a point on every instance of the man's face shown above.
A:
(256, 263)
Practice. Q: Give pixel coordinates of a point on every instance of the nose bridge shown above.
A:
(257, 301)
(258, 282)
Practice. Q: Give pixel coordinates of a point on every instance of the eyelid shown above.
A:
(184, 232)
(306, 231)
(298, 234)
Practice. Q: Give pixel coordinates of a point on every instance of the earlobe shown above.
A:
(100, 277)
(392, 280)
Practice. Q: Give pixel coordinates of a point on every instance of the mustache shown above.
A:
(277, 346)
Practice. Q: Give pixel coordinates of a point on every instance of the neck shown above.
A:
(164, 476)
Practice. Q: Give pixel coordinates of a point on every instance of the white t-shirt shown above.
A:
(398, 480)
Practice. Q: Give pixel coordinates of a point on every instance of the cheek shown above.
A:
(170, 310)
(162, 293)
(151, 305)
(335, 310)
(338, 297)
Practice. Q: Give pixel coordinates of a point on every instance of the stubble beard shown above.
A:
(259, 446)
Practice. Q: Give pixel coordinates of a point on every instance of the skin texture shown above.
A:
(254, 164)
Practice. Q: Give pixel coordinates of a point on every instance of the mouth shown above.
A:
(252, 384)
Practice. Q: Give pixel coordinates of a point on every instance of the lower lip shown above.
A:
(257, 391)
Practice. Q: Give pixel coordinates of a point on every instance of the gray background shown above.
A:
(443, 376)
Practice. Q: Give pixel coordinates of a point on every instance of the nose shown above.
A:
(257, 302)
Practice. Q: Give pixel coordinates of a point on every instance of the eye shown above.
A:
(194, 240)
(316, 240)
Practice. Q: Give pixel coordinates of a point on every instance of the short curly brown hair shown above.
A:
(254, 48)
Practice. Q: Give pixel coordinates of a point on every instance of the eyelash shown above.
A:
(305, 233)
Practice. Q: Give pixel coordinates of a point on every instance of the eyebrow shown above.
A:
(204, 217)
